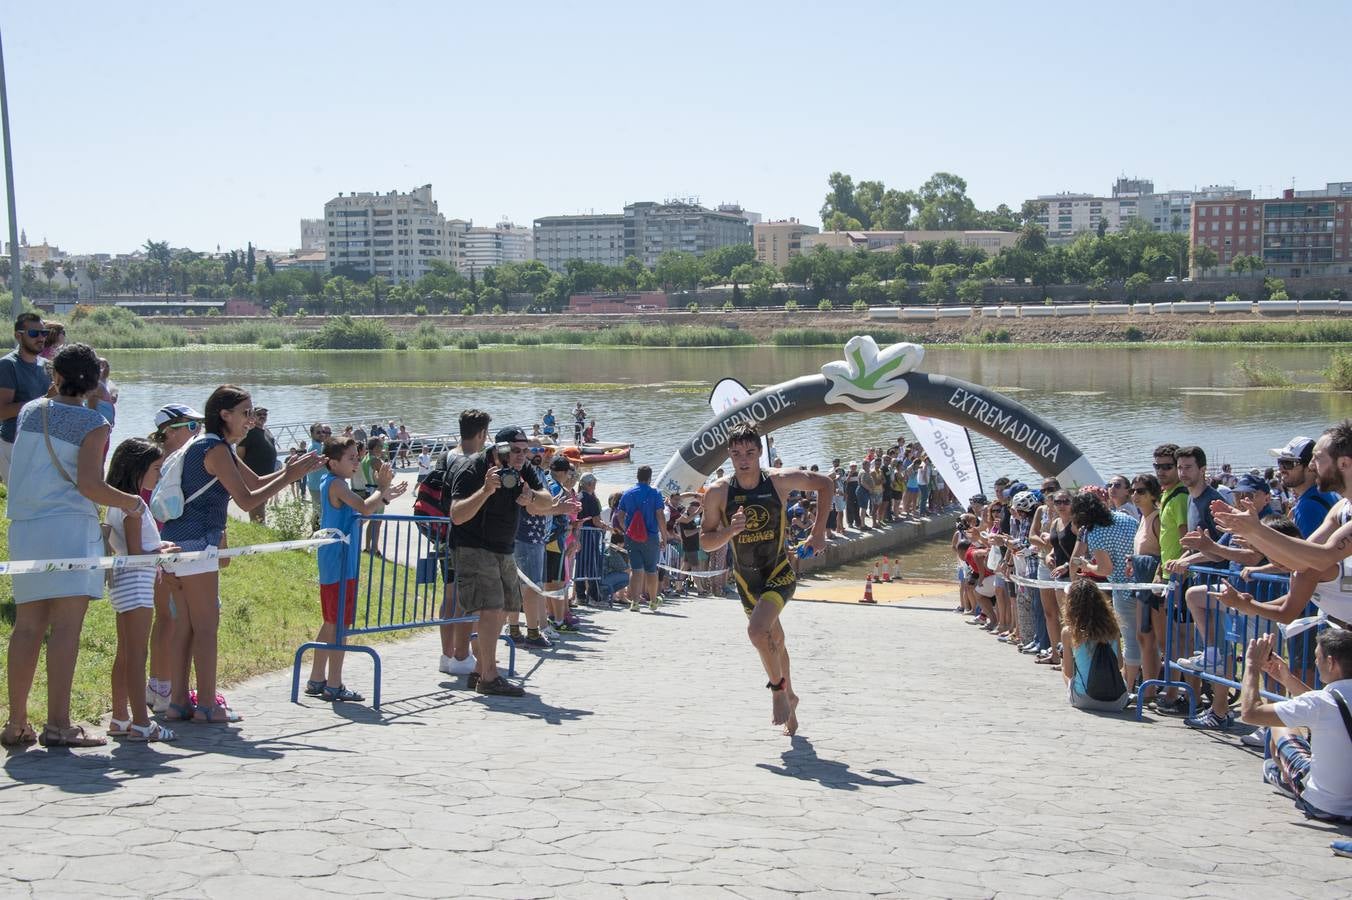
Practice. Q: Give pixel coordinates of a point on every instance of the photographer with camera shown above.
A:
(489, 488)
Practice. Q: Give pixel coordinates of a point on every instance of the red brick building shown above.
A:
(617, 303)
(1299, 233)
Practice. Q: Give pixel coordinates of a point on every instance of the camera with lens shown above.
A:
(509, 477)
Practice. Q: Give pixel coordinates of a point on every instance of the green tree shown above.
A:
(49, 269)
(1030, 210)
(840, 204)
(1031, 238)
(676, 270)
(68, 269)
(935, 290)
(970, 291)
(1136, 284)
(1204, 258)
(1156, 263)
(93, 271)
(722, 260)
(944, 204)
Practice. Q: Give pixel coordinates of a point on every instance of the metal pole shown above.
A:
(15, 268)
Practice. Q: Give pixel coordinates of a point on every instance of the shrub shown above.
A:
(692, 306)
(400, 344)
(279, 309)
(425, 337)
(1339, 372)
(993, 336)
(824, 305)
(1257, 372)
(1232, 298)
(467, 343)
(270, 343)
(791, 305)
(1322, 332)
(301, 313)
(859, 306)
(115, 327)
(244, 333)
(345, 333)
(1134, 334)
(1279, 295)
(727, 306)
(467, 309)
(497, 309)
(291, 519)
(420, 310)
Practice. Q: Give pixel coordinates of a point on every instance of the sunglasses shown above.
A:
(1164, 467)
(1139, 490)
(1060, 503)
(37, 332)
(1285, 464)
(1118, 487)
(191, 425)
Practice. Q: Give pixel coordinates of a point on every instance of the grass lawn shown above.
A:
(269, 606)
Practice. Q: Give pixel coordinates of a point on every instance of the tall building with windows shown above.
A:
(778, 242)
(1065, 216)
(591, 238)
(482, 248)
(651, 229)
(394, 235)
(1299, 233)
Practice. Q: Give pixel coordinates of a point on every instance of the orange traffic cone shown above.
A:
(868, 590)
(887, 569)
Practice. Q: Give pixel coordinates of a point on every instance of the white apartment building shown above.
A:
(394, 235)
(482, 248)
(314, 234)
(591, 238)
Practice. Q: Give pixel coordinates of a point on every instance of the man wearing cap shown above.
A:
(532, 532)
(489, 488)
(22, 378)
(1298, 477)
(258, 450)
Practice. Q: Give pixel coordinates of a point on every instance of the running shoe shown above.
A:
(633, 605)
(452, 666)
(1175, 707)
(1341, 848)
(1256, 739)
(654, 603)
(499, 687)
(568, 628)
(1207, 720)
(1202, 659)
(550, 632)
(539, 643)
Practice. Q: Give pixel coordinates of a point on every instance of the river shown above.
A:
(1115, 403)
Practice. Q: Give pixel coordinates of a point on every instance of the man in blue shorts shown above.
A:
(645, 533)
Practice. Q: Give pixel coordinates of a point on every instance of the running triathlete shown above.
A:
(757, 530)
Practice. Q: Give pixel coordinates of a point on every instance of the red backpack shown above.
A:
(433, 501)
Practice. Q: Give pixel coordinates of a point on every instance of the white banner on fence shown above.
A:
(950, 450)
(727, 394)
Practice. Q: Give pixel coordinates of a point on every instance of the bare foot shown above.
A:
(791, 726)
(781, 706)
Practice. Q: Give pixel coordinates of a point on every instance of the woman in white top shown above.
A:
(55, 488)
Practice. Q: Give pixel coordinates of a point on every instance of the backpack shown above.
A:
(433, 501)
(167, 501)
(1104, 680)
(637, 529)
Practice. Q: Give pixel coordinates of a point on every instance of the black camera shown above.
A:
(499, 453)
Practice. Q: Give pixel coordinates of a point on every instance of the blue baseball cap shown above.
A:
(1248, 483)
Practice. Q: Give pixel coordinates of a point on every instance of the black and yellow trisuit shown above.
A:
(759, 555)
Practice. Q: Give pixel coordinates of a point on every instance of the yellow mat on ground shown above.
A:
(887, 593)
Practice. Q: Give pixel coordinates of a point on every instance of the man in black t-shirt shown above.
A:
(258, 449)
(488, 487)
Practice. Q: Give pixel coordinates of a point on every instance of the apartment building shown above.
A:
(482, 248)
(651, 229)
(992, 242)
(394, 235)
(1299, 233)
(778, 242)
(314, 234)
(591, 238)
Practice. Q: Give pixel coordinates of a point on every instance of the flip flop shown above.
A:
(181, 712)
(17, 737)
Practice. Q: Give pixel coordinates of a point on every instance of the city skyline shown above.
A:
(206, 128)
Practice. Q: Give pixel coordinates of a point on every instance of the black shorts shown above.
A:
(553, 566)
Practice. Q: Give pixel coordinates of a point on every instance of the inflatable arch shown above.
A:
(873, 380)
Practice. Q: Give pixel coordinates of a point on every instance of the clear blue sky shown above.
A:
(207, 124)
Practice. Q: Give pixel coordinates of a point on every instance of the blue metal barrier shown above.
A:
(401, 587)
(1227, 632)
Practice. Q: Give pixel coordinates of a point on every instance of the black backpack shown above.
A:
(1104, 679)
(433, 501)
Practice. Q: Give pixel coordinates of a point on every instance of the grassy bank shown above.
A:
(270, 606)
(1333, 331)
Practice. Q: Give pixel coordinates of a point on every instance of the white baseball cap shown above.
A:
(175, 411)
(1298, 448)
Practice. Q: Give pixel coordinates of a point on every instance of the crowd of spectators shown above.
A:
(1090, 582)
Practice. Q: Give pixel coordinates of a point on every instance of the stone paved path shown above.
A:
(645, 766)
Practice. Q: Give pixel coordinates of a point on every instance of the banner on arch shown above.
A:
(950, 450)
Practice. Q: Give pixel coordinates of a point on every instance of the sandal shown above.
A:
(181, 712)
(315, 688)
(17, 737)
(342, 694)
(75, 736)
(118, 727)
(218, 715)
(146, 734)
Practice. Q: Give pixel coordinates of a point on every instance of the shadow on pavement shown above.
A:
(801, 762)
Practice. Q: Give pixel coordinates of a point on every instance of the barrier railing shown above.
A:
(1227, 634)
(401, 587)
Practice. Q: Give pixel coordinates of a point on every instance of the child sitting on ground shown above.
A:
(1090, 661)
(134, 469)
(338, 562)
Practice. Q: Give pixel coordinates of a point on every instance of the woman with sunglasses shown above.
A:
(1060, 537)
(213, 474)
(175, 425)
(1145, 563)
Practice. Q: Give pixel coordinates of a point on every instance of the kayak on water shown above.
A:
(616, 454)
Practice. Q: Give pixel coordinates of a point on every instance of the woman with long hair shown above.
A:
(1108, 537)
(210, 467)
(1145, 563)
(1091, 624)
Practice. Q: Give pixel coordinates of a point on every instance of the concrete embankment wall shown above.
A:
(890, 541)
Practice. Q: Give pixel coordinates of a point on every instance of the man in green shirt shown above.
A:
(1173, 525)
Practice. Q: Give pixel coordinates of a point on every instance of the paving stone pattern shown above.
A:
(931, 762)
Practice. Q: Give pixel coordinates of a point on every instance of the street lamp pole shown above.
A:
(15, 267)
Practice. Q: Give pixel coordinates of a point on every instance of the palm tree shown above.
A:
(93, 271)
(49, 272)
(68, 269)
